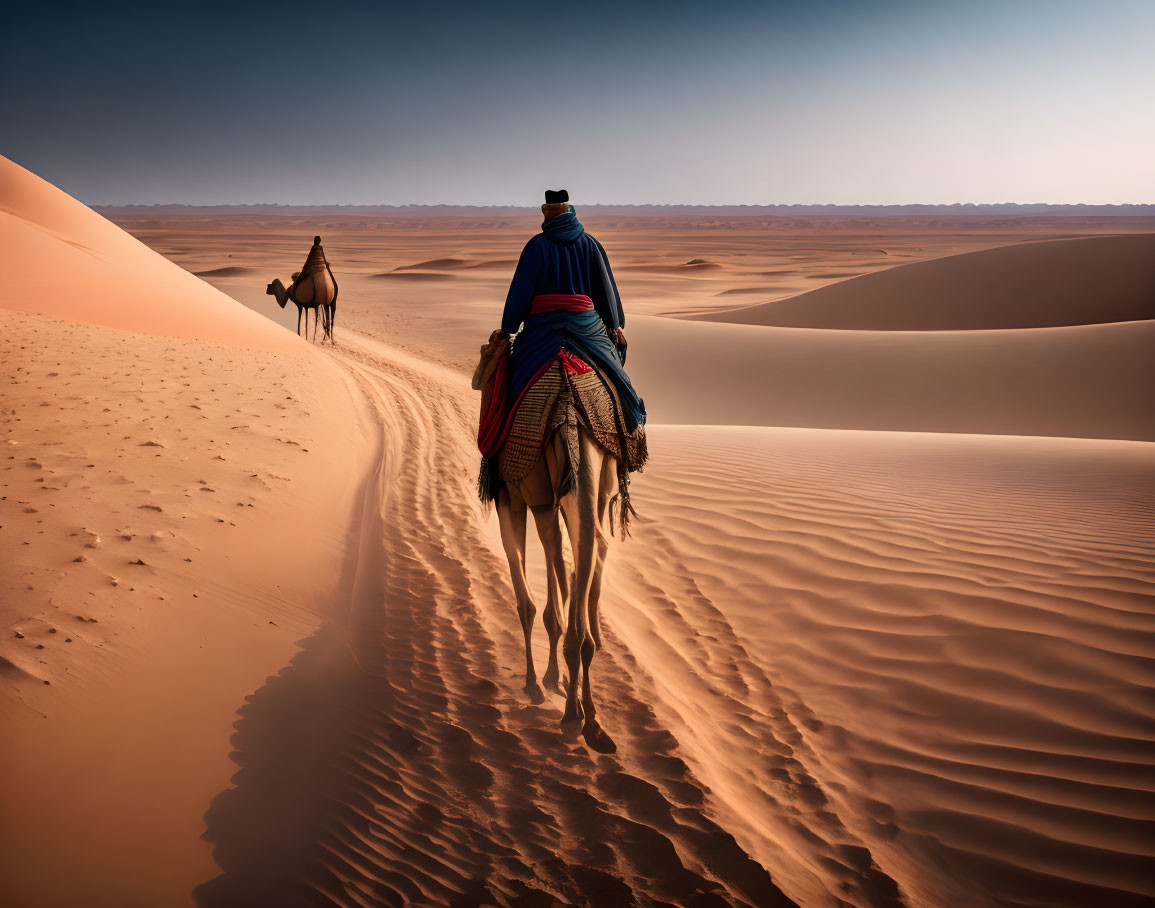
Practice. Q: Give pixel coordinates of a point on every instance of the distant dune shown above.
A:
(690, 266)
(228, 271)
(412, 276)
(447, 264)
(741, 291)
(1029, 285)
(1091, 381)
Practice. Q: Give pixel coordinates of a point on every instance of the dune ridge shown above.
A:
(72, 263)
(156, 485)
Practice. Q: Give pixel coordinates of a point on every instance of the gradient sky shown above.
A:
(892, 101)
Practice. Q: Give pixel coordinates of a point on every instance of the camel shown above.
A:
(314, 288)
(586, 509)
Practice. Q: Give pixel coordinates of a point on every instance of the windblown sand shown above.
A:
(883, 634)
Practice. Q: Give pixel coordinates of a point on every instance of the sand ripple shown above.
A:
(933, 655)
(397, 760)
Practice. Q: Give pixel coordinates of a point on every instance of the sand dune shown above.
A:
(74, 264)
(174, 515)
(1030, 285)
(740, 291)
(413, 276)
(227, 271)
(1093, 381)
(446, 264)
(691, 266)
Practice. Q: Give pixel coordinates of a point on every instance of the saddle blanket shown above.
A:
(569, 383)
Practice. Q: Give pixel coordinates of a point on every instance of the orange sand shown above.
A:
(870, 644)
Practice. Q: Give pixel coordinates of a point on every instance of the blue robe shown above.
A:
(563, 258)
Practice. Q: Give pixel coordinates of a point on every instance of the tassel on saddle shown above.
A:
(622, 500)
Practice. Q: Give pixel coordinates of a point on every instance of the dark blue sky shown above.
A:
(722, 102)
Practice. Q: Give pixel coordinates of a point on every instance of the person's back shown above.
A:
(563, 259)
(564, 294)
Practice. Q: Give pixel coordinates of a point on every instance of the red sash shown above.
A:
(560, 302)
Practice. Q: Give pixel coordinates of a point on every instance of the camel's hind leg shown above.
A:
(511, 518)
(606, 489)
(582, 520)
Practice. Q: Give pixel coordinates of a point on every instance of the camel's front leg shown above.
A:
(511, 519)
(299, 311)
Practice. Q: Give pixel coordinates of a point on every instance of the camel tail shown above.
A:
(488, 483)
(625, 508)
(568, 453)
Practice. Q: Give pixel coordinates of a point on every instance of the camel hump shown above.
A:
(324, 289)
(316, 288)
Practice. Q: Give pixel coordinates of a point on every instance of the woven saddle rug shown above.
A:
(560, 397)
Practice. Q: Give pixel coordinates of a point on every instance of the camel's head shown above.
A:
(282, 299)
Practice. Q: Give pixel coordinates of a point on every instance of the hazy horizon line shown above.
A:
(660, 205)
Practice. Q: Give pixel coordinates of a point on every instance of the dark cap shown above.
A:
(556, 196)
(316, 241)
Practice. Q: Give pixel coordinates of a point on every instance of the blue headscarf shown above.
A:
(563, 229)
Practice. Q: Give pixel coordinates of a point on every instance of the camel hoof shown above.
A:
(597, 739)
(572, 721)
(535, 692)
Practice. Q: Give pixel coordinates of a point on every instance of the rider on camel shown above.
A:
(564, 308)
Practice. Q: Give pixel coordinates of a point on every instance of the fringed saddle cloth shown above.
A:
(565, 396)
